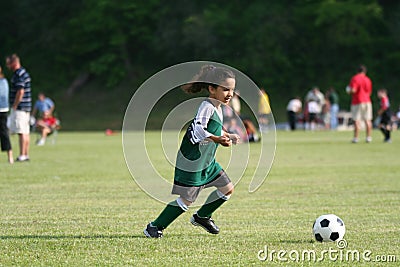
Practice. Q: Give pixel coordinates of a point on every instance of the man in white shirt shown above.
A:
(293, 108)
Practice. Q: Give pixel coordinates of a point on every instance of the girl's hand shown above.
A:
(223, 140)
(234, 138)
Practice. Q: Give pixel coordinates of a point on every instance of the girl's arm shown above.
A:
(199, 126)
(223, 140)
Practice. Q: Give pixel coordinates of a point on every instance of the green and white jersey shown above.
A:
(195, 162)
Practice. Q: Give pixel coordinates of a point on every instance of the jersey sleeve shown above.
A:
(198, 129)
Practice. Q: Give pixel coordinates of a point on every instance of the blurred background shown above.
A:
(90, 56)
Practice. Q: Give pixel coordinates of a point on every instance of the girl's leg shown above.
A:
(172, 211)
(215, 200)
(203, 216)
(166, 217)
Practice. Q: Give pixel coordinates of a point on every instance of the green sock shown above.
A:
(168, 215)
(213, 202)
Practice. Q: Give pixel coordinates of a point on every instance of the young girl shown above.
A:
(385, 124)
(196, 167)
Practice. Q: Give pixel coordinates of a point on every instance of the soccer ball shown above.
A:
(328, 228)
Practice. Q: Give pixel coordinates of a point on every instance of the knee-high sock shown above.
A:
(169, 214)
(385, 132)
(213, 202)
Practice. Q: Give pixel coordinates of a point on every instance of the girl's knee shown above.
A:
(227, 190)
(185, 201)
(230, 192)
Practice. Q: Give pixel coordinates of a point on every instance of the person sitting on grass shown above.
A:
(46, 125)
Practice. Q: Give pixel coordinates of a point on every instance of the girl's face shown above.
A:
(224, 92)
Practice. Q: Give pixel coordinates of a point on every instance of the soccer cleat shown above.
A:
(207, 223)
(368, 139)
(41, 142)
(152, 231)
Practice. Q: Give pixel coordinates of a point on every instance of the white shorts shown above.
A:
(361, 111)
(19, 122)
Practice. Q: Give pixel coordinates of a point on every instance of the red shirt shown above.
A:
(385, 103)
(51, 122)
(363, 89)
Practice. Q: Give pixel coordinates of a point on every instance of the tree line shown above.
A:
(285, 46)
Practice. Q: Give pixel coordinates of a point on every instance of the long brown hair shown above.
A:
(208, 75)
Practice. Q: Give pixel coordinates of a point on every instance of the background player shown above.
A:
(384, 112)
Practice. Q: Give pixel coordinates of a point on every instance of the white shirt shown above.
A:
(294, 105)
(313, 107)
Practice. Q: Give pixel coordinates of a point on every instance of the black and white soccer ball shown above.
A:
(328, 228)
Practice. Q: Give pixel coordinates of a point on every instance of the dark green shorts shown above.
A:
(190, 192)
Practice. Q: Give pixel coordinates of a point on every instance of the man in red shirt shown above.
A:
(360, 88)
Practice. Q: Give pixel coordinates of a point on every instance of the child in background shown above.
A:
(384, 112)
(46, 125)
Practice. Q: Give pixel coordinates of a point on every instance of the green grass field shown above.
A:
(75, 204)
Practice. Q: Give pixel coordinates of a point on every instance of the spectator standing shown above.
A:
(21, 105)
(333, 98)
(293, 108)
(314, 102)
(313, 110)
(326, 114)
(315, 95)
(4, 108)
(360, 89)
(264, 109)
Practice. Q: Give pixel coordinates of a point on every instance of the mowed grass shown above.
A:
(76, 204)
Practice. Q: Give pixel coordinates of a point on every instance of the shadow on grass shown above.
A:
(49, 237)
(298, 241)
